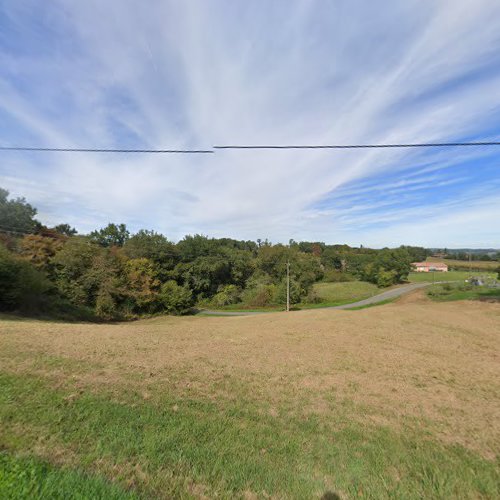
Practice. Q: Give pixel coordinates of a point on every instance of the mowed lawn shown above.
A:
(448, 276)
(334, 294)
(399, 401)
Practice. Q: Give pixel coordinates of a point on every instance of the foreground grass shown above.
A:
(187, 448)
(27, 477)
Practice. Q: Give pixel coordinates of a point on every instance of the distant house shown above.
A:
(426, 267)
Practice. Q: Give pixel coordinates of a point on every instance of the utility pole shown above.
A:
(470, 263)
(287, 286)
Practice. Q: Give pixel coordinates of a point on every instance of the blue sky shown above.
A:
(191, 74)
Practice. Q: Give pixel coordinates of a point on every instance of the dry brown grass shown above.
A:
(437, 363)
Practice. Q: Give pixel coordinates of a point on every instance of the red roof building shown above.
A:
(426, 267)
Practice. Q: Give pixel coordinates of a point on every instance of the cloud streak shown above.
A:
(193, 74)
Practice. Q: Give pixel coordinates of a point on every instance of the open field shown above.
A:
(460, 292)
(476, 265)
(448, 276)
(334, 294)
(395, 401)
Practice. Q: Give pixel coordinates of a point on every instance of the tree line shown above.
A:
(113, 274)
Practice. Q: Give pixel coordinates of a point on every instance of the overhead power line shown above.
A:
(363, 146)
(262, 146)
(93, 150)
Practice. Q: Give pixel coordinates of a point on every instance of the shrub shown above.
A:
(229, 294)
(22, 287)
(336, 276)
(175, 299)
(386, 278)
(260, 295)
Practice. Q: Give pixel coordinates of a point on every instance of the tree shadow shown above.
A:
(330, 495)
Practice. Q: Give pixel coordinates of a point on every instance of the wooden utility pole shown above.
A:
(287, 286)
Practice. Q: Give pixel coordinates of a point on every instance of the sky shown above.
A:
(191, 74)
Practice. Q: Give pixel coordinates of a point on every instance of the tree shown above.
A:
(155, 247)
(16, 215)
(142, 284)
(40, 250)
(111, 235)
(22, 287)
(175, 299)
(387, 267)
(65, 229)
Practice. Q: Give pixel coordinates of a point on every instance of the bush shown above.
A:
(313, 297)
(176, 299)
(260, 295)
(105, 307)
(22, 287)
(386, 278)
(229, 294)
(335, 276)
(296, 292)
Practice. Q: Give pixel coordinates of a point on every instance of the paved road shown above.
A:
(389, 294)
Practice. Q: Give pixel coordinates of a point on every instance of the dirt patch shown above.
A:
(438, 363)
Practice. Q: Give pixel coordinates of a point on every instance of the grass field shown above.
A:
(335, 294)
(400, 401)
(459, 265)
(448, 276)
(460, 292)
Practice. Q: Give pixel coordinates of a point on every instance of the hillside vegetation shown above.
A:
(112, 274)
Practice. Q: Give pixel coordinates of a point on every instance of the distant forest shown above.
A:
(113, 274)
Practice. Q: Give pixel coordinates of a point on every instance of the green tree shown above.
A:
(142, 284)
(65, 229)
(155, 247)
(175, 299)
(296, 292)
(111, 235)
(22, 287)
(16, 214)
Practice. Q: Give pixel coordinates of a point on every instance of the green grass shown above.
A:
(450, 292)
(449, 276)
(367, 306)
(173, 448)
(336, 294)
(24, 477)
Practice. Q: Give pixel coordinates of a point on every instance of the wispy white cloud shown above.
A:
(194, 74)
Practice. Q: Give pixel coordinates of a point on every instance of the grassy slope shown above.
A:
(167, 445)
(29, 478)
(225, 451)
(335, 294)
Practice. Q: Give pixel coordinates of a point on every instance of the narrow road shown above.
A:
(390, 294)
(381, 297)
